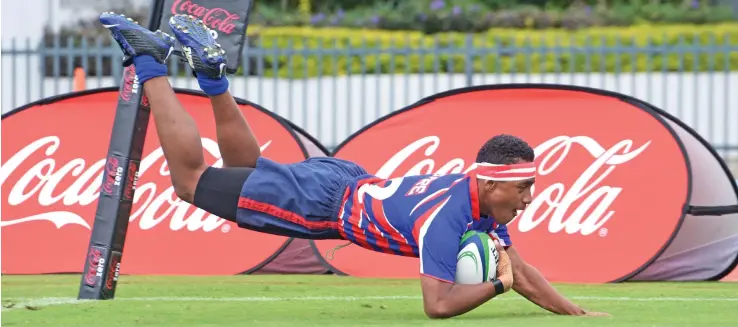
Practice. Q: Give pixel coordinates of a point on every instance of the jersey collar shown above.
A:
(474, 195)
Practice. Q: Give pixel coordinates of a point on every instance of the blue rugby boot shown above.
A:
(203, 53)
(136, 40)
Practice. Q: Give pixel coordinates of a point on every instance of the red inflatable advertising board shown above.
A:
(53, 155)
(624, 190)
(614, 183)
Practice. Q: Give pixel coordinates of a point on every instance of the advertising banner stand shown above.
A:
(52, 164)
(616, 175)
(706, 247)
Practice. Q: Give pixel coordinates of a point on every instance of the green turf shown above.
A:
(267, 301)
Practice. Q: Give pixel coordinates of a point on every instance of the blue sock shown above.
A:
(213, 87)
(147, 68)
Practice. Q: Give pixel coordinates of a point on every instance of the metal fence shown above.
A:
(348, 94)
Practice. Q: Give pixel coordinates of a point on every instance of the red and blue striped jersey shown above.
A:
(420, 216)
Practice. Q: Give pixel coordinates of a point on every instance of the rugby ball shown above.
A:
(477, 260)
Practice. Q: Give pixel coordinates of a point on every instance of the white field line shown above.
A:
(49, 301)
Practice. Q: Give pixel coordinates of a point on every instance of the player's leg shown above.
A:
(216, 190)
(237, 143)
(178, 133)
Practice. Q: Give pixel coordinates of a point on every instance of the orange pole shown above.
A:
(79, 80)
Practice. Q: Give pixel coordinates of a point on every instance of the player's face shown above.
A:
(502, 200)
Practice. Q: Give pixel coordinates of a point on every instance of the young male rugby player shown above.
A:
(328, 198)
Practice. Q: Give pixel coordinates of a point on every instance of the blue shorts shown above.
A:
(299, 200)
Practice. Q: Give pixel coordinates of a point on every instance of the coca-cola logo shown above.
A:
(601, 183)
(52, 176)
(131, 179)
(218, 19)
(557, 199)
(113, 271)
(44, 186)
(113, 174)
(130, 83)
(94, 260)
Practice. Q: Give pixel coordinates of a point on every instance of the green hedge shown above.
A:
(333, 51)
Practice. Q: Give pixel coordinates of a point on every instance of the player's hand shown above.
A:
(597, 314)
(504, 268)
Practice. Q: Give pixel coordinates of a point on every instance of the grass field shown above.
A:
(267, 301)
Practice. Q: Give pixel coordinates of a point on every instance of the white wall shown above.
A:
(331, 108)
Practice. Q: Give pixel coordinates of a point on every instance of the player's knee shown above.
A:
(184, 191)
(185, 185)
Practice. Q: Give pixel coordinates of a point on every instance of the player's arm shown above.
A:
(444, 299)
(531, 284)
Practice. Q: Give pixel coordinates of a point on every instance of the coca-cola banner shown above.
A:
(614, 179)
(228, 19)
(53, 155)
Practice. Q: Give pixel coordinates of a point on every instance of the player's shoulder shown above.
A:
(421, 184)
(412, 178)
(413, 188)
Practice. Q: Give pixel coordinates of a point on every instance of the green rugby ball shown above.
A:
(477, 260)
